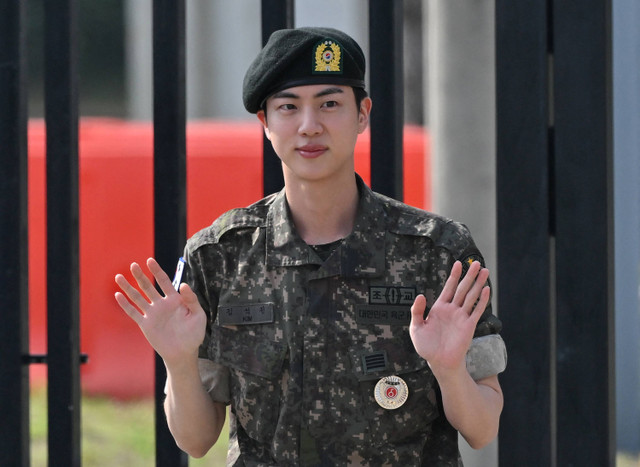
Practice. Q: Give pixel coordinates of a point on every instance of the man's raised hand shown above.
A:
(443, 338)
(173, 322)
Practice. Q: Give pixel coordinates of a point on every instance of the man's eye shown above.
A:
(287, 107)
(330, 104)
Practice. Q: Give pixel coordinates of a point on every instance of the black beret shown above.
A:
(296, 57)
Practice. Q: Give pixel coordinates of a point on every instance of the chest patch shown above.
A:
(255, 313)
(372, 314)
(383, 295)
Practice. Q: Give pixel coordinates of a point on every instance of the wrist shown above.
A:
(447, 375)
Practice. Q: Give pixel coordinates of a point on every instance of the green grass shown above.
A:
(113, 433)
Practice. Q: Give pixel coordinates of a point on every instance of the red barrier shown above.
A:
(224, 170)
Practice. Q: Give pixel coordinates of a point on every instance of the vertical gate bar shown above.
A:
(276, 14)
(14, 332)
(63, 317)
(584, 247)
(169, 171)
(524, 294)
(387, 120)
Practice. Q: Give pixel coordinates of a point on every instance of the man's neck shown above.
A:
(323, 211)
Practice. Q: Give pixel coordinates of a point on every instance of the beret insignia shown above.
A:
(327, 57)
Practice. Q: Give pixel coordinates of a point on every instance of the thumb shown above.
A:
(189, 296)
(417, 310)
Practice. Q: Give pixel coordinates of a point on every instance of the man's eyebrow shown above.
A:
(285, 94)
(328, 91)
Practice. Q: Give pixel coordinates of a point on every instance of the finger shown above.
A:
(162, 278)
(476, 289)
(132, 293)
(449, 289)
(144, 283)
(417, 310)
(128, 308)
(481, 306)
(466, 283)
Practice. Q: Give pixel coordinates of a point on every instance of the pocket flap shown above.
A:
(247, 353)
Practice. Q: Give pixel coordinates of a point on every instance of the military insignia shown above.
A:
(468, 261)
(391, 392)
(327, 57)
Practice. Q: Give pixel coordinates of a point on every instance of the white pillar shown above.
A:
(461, 90)
(139, 58)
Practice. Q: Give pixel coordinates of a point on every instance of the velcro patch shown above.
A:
(385, 295)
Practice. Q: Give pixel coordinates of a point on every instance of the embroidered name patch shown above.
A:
(371, 314)
(256, 313)
(382, 295)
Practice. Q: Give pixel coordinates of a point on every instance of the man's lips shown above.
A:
(310, 151)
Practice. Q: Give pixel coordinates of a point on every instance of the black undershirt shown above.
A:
(325, 250)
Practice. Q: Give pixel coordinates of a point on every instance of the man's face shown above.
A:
(313, 129)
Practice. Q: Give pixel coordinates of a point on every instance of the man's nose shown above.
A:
(310, 123)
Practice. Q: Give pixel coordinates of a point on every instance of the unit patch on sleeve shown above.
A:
(255, 313)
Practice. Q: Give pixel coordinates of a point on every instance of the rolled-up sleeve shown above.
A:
(215, 380)
(487, 356)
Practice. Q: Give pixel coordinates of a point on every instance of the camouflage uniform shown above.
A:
(297, 344)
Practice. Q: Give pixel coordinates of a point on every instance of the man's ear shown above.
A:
(363, 114)
(263, 119)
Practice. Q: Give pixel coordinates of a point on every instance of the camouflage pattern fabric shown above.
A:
(304, 341)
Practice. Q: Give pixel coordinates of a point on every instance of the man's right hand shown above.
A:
(173, 323)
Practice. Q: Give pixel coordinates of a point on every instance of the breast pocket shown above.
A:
(411, 419)
(256, 368)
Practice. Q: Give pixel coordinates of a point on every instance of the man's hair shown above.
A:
(359, 93)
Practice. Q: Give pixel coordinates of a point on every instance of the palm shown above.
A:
(444, 336)
(173, 323)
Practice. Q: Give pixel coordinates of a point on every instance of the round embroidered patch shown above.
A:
(391, 392)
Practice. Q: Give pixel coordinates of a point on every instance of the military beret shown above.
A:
(296, 57)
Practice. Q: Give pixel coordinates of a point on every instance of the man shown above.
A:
(323, 315)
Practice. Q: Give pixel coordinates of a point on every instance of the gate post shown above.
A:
(14, 333)
(523, 230)
(387, 118)
(169, 172)
(63, 305)
(584, 232)
(275, 14)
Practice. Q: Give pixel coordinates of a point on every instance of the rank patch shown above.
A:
(468, 261)
(327, 57)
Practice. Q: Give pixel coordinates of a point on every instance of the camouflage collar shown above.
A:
(362, 253)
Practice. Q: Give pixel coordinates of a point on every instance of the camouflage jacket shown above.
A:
(299, 343)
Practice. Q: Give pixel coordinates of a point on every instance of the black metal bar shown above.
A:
(387, 119)
(276, 14)
(524, 295)
(43, 359)
(14, 332)
(169, 118)
(63, 335)
(584, 250)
